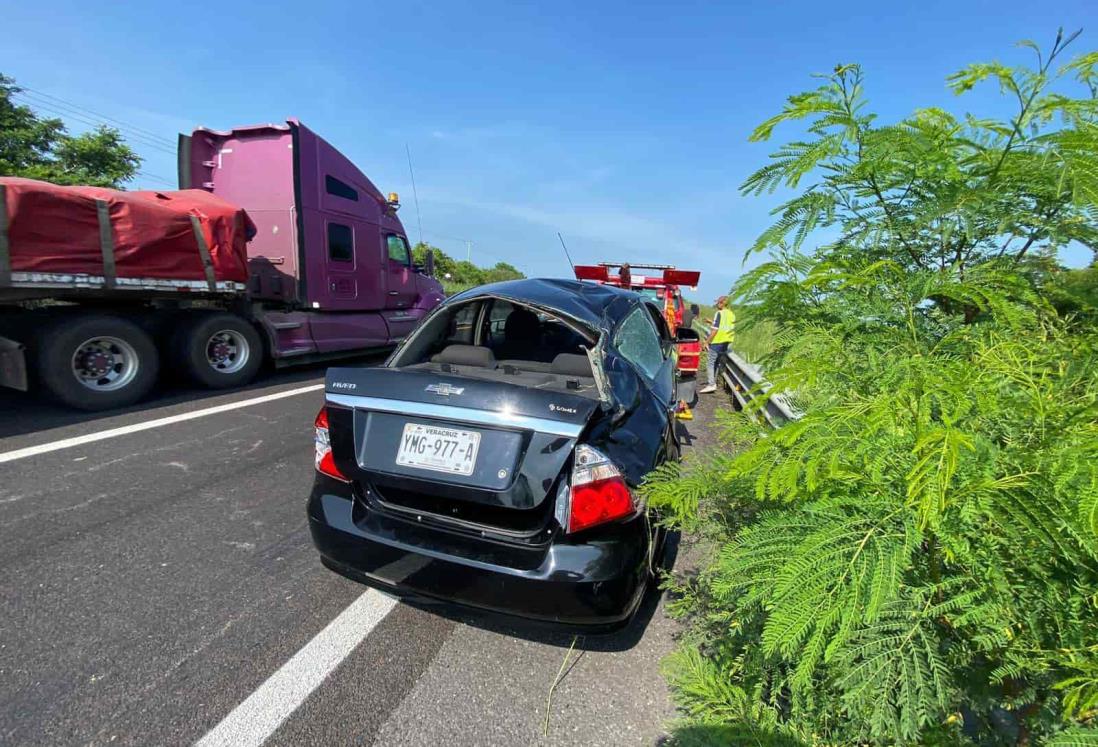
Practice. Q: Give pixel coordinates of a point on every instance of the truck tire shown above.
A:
(218, 351)
(96, 362)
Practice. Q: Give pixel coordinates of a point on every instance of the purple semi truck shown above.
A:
(330, 273)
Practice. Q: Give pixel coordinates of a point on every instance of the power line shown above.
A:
(91, 123)
(58, 110)
(86, 117)
(155, 178)
(119, 122)
(466, 244)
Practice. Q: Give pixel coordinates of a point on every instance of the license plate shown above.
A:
(440, 449)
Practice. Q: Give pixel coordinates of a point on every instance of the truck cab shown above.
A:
(329, 249)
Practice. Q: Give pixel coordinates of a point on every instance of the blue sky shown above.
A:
(622, 125)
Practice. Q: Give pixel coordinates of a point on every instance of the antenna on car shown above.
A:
(415, 194)
(566, 254)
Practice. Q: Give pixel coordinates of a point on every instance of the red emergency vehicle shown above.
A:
(662, 284)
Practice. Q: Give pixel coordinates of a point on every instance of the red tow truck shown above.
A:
(663, 284)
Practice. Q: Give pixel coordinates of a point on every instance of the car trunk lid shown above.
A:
(503, 446)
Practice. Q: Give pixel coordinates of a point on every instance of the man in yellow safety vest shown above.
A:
(721, 332)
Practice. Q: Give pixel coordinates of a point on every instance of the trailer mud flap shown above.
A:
(13, 365)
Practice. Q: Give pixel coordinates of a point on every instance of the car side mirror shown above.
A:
(686, 334)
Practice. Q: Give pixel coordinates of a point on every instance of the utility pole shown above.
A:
(468, 251)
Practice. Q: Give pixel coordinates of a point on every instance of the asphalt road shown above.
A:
(153, 582)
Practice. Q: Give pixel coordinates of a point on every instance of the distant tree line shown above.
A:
(460, 273)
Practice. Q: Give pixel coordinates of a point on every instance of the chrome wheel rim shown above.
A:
(105, 363)
(227, 351)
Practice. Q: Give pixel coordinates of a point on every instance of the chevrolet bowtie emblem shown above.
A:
(445, 389)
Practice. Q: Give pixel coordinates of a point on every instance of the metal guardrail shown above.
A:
(746, 383)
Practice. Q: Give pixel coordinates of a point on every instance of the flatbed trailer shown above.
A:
(326, 272)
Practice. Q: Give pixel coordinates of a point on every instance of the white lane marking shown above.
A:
(254, 720)
(68, 443)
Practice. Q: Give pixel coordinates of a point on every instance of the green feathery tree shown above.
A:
(41, 148)
(915, 560)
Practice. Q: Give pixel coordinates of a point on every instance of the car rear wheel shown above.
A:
(218, 351)
(97, 362)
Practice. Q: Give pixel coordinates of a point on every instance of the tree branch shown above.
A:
(872, 181)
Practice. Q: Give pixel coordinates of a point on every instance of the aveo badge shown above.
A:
(445, 389)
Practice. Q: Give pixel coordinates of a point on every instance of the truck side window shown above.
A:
(335, 187)
(341, 243)
(398, 249)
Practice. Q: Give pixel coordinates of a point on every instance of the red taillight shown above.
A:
(325, 463)
(599, 493)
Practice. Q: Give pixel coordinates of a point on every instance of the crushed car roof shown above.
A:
(597, 306)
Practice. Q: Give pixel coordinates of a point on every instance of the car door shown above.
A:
(652, 350)
(399, 273)
(340, 263)
(642, 377)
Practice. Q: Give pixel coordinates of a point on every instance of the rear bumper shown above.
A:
(598, 582)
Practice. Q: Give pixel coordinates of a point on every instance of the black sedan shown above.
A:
(493, 461)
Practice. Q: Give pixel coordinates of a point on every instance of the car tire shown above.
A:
(96, 362)
(218, 351)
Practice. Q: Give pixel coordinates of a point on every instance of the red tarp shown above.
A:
(54, 229)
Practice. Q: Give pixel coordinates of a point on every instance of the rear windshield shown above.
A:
(501, 339)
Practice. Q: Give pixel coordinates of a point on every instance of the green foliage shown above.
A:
(914, 561)
(1077, 737)
(458, 275)
(39, 148)
(935, 190)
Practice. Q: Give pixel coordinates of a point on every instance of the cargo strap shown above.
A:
(5, 245)
(106, 243)
(204, 252)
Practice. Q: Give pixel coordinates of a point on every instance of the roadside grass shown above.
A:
(452, 289)
(755, 339)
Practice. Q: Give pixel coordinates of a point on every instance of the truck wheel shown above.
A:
(219, 350)
(97, 362)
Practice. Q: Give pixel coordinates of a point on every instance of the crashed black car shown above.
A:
(494, 460)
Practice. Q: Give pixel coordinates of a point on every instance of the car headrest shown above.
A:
(466, 355)
(567, 364)
(522, 325)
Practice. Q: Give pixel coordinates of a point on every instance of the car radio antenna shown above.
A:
(415, 194)
(566, 254)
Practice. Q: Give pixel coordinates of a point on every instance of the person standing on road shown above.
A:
(721, 333)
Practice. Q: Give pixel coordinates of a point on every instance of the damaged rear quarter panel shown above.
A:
(633, 434)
